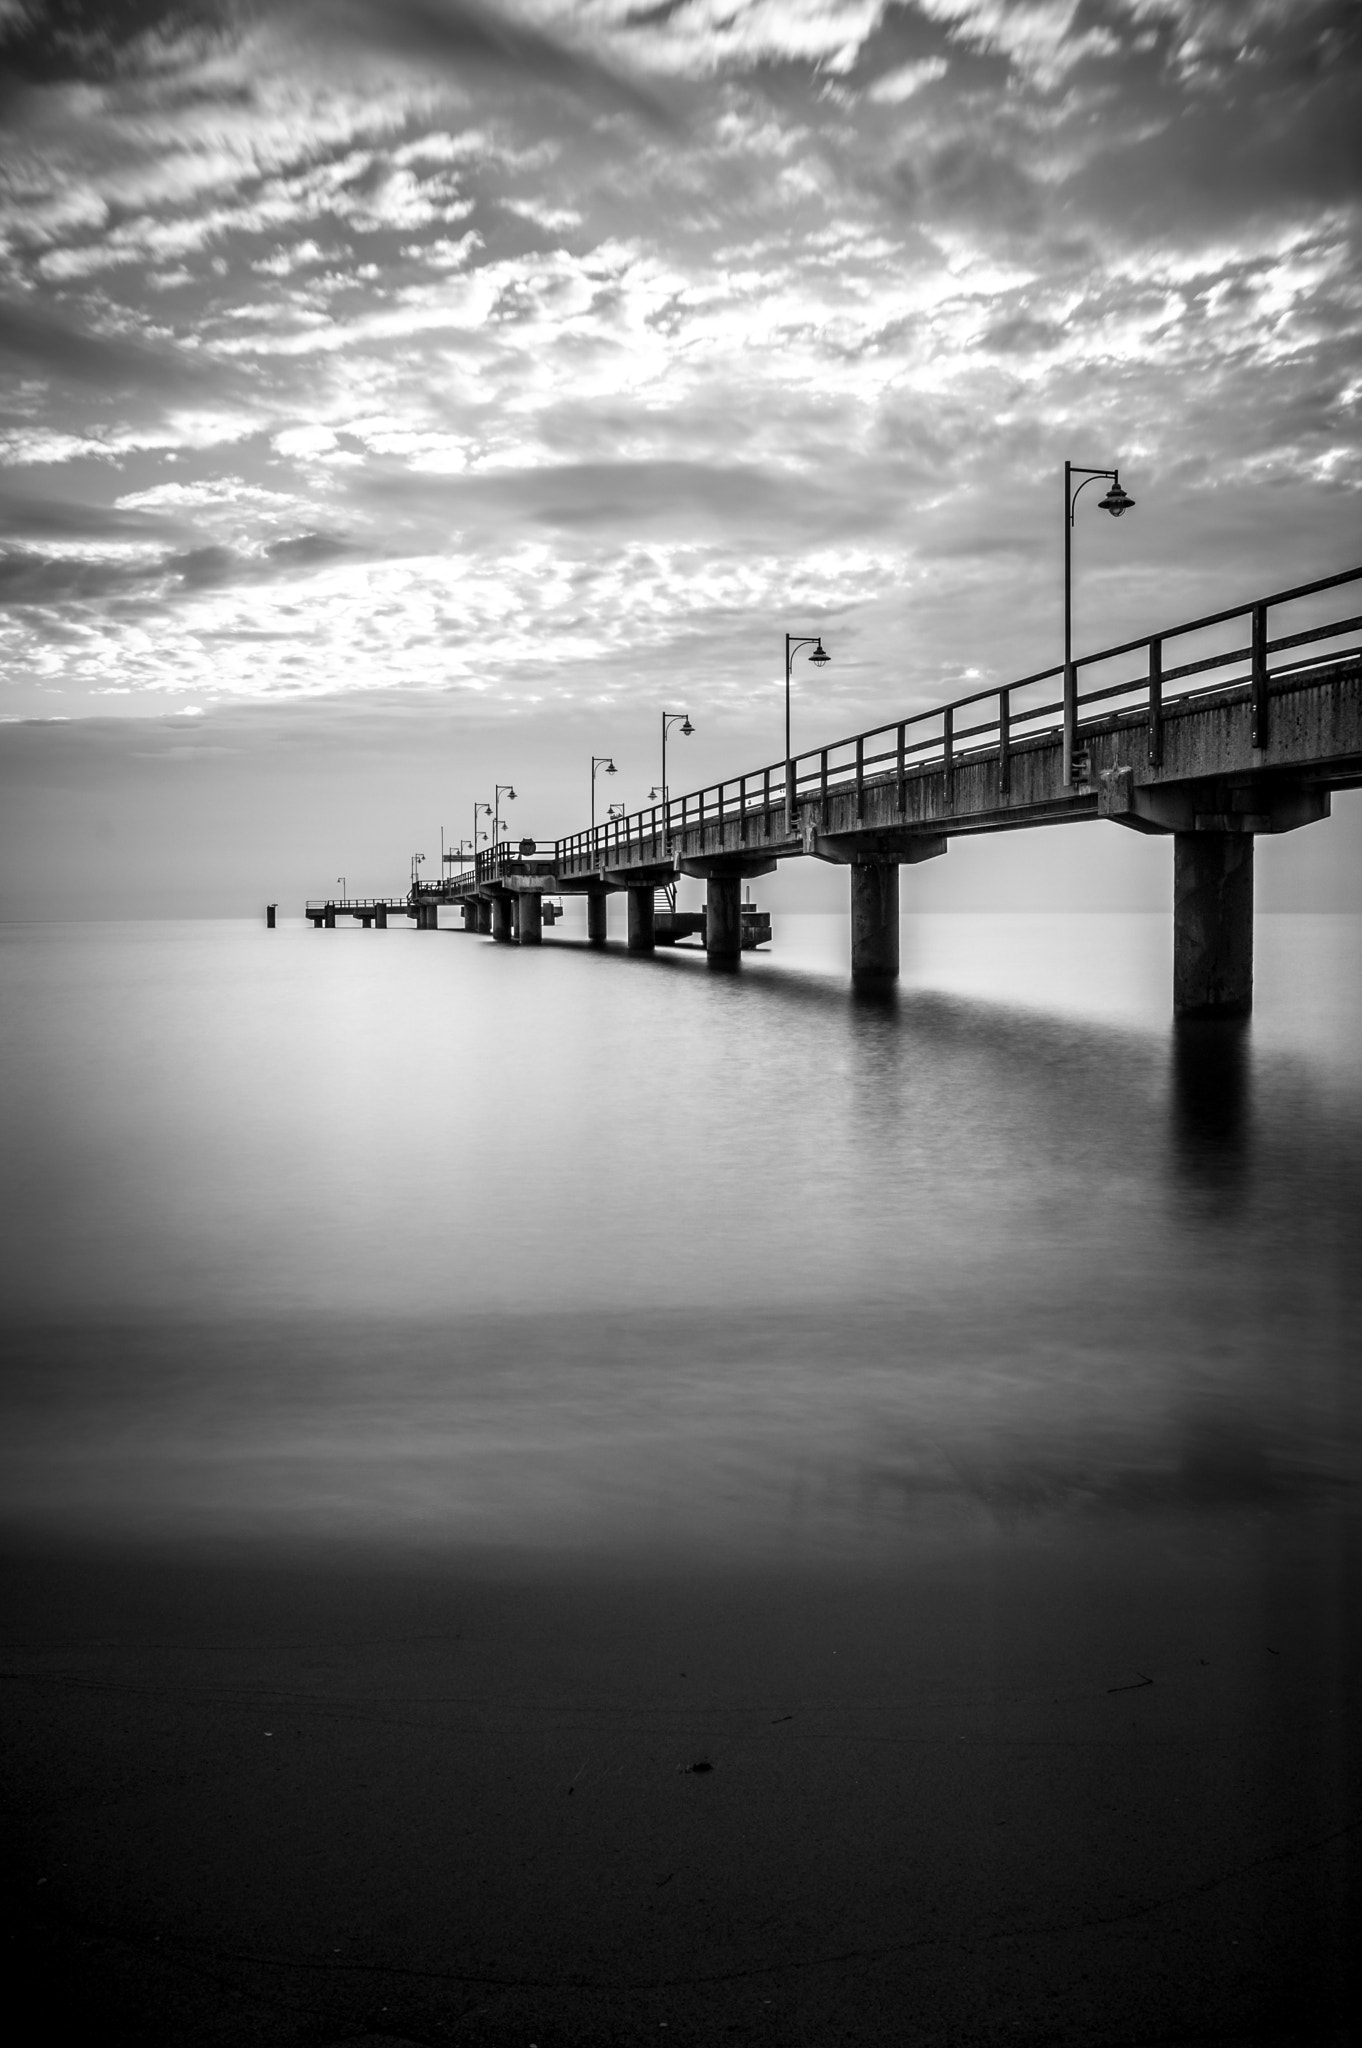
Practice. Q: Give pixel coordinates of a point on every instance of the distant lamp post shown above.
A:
(503, 789)
(669, 719)
(479, 811)
(793, 642)
(416, 860)
(1116, 502)
(341, 880)
(599, 761)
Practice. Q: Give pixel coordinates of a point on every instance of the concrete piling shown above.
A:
(531, 918)
(270, 909)
(1212, 924)
(502, 920)
(641, 930)
(381, 916)
(595, 917)
(330, 918)
(875, 921)
(723, 917)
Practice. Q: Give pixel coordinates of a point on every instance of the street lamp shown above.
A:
(503, 789)
(669, 719)
(341, 880)
(794, 641)
(1116, 502)
(416, 861)
(599, 761)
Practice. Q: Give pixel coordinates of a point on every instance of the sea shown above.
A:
(400, 1238)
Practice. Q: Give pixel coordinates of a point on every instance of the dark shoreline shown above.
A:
(298, 1798)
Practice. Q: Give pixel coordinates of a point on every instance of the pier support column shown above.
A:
(381, 916)
(367, 923)
(330, 919)
(723, 917)
(270, 909)
(641, 938)
(875, 921)
(501, 920)
(531, 919)
(482, 916)
(1212, 924)
(595, 917)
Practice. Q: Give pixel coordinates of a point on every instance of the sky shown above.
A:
(402, 396)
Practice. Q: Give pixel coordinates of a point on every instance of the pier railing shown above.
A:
(998, 720)
(1140, 681)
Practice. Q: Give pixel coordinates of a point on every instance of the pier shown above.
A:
(1213, 731)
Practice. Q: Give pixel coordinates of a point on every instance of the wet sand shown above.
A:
(1072, 1791)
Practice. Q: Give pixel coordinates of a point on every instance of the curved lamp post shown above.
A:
(794, 641)
(341, 880)
(503, 789)
(669, 719)
(1116, 502)
(416, 861)
(599, 761)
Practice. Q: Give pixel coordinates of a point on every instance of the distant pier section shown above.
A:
(1212, 732)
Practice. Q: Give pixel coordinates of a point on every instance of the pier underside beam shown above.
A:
(875, 922)
(595, 917)
(723, 917)
(501, 920)
(1212, 924)
(641, 931)
(530, 918)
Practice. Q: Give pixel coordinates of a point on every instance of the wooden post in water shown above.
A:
(595, 917)
(641, 928)
(874, 921)
(723, 917)
(1212, 924)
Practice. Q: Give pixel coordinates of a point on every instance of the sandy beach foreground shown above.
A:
(1087, 1793)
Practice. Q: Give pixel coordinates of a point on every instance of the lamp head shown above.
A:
(1117, 500)
(687, 729)
(510, 793)
(611, 769)
(819, 657)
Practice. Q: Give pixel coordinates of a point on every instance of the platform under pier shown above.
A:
(1212, 924)
(874, 921)
(642, 938)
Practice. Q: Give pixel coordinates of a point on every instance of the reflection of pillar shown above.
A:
(641, 920)
(501, 920)
(531, 918)
(1212, 924)
(875, 921)
(269, 917)
(595, 917)
(381, 916)
(723, 917)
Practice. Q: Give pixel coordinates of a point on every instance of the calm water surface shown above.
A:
(401, 1234)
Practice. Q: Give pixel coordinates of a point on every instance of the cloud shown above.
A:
(40, 342)
(674, 497)
(468, 43)
(23, 516)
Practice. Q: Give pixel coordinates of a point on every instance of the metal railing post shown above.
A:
(1260, 709)
(1004, 740)
(948, 754)
(1156, 702)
